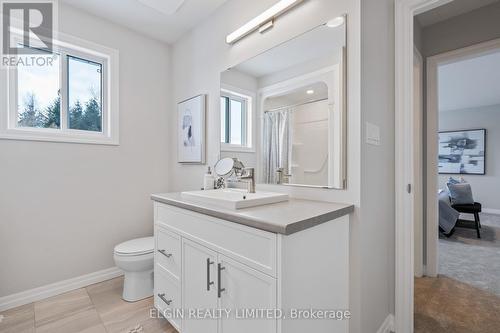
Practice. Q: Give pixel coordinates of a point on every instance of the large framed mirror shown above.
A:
(283, 112)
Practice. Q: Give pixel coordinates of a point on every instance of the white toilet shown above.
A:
(135, 258)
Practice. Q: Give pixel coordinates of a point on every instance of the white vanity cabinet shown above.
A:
(205, 263)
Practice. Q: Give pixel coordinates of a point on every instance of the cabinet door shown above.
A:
(199, 286)
(245, 288)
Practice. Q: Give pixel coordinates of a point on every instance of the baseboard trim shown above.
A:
(491, 211)
(53, 289)
(387, 325)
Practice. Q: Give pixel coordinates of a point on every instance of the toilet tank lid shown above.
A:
(136, 246)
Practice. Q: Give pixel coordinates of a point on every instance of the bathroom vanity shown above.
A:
(258, 265)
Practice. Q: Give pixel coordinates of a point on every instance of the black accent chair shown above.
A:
(474, 209)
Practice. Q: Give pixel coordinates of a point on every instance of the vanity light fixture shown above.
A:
(335, 22)
(310, 92)
(262, 22)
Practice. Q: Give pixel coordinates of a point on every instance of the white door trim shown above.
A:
(433, 63)
(418, 188)
(405, 10)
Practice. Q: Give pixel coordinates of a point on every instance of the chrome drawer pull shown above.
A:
(164, 252)
(220, 268)
(209, 283)
(162, 297)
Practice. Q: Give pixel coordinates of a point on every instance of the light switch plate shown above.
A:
(372, 134)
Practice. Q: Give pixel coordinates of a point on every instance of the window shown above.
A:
(66, 98)
(235, 121)
(84, 95)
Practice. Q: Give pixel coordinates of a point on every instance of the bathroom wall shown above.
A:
(484, 187)
(198, 59)
(63, 207)
(377, 162)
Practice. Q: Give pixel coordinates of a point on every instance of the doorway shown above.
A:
(408, 139)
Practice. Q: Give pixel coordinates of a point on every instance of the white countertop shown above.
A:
(284, 217)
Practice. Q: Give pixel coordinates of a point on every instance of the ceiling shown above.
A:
(165, 20)
(452, 9)
(300, 95)
(299, 50)
(470, 83)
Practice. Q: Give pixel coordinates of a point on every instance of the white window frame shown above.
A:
(66, 45)
(247, 99)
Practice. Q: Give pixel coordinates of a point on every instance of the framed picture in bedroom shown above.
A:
(191, 130)
(462, 152)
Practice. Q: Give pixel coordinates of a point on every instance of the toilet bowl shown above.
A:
(135, 257)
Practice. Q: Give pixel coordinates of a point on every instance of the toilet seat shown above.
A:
(135, 247)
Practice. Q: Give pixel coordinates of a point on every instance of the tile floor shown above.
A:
(95, 309)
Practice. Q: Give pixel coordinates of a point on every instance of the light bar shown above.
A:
(262, 19)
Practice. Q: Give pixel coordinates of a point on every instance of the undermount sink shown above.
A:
(235, 198)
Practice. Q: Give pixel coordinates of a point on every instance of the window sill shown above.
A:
(63, 137)
(239, 149)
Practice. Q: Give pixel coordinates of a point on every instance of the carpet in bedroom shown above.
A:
(465, 258)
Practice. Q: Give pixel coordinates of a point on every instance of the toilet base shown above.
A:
(137, 286)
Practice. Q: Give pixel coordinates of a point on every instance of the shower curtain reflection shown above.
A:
(276, 145)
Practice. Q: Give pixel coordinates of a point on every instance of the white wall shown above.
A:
(199, 58)
(485, 188)
(377, 162)
(63, 207)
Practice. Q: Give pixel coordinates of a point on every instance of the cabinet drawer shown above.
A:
(167, 296)
(253, 247)
(168, 251)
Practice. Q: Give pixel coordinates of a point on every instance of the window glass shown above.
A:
(223, 119)
(84, 95)
(38, 94)
(236, 108)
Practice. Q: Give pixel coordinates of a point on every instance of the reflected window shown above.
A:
(235, 120)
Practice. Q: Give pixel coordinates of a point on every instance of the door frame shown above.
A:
(405, 10)
(418, 188)
(433, 63)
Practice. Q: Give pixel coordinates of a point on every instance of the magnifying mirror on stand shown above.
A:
(226, 167)
(232, 170)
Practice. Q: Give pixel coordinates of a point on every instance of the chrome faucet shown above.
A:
(247, 175)
(282, 176)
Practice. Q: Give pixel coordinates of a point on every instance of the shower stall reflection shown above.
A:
(295, 137)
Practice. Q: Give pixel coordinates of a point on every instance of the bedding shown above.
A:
(448, 216)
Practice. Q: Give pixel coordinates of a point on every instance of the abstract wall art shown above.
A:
(191, 130)
(462, 152)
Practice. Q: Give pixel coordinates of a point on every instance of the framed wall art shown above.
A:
(191, 130)
(462, 152)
